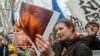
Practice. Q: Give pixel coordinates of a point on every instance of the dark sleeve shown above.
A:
(88, 40)
(93, 42)
(57, 48)
(83, 50)
(97, 43)
(7, 50)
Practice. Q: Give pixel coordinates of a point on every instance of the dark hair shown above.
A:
(92, 23)
(68, 23)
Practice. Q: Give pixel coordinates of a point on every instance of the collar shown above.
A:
(69, 42)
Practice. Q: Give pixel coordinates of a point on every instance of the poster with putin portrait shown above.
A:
(37, 20)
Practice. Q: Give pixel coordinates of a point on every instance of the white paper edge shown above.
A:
(51, 24)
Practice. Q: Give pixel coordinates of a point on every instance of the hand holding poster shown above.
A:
(37, 20)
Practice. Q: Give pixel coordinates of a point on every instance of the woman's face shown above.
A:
(62, 31)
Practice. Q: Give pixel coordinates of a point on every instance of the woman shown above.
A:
(64, 31)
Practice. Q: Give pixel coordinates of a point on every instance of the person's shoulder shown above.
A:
(3, 45)
(83, 50)
(82, 46)
(56, 44)
(90, 37)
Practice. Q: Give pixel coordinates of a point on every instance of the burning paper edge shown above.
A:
(33, 45)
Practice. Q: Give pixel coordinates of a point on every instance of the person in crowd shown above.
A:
(3, 47)
(11, 47)
(5, 41)
(93, 37)
(64, 31)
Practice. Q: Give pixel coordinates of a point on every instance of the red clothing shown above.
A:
(76, 35)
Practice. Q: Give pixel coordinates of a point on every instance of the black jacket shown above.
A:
(93, 42)
(57, 48)
(74, 47)
(3, 50)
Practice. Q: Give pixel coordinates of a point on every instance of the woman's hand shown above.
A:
(44, 46)
(32, 52)
(17, 50)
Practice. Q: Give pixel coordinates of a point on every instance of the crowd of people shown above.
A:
(74, 46)
(66, 42)
(8, 47)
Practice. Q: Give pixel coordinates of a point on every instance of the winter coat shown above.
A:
(74, 47)
(3, 50)
(93, 41)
